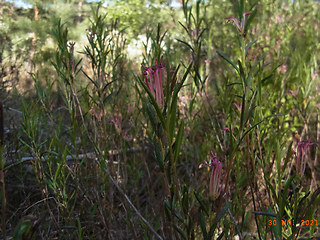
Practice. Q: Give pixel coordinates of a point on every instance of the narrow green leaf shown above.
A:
(251, 106)
(24, 143)
(185, 200)
(178, 88)
(172, 117)
(286, 188)
(191, 105)
(180, 231)
(57, 173)
(151, 114)
(256, 64)
(159, 154)
(248, 46)
(201, 35)
(178, 215)
(168, 209)
(179, 140)
(185, 43)
(242, 111)
(202, 204)
(161, 39)
(50, 183)
(174, 79)
(223, 211)
(220, 216)
(288, 157)
(235, 83)
(123, 29)
(271, 188)
(203, 226)
(184, 27)
(220, 236)
(249, 19)
(246, 132)
(228, 60)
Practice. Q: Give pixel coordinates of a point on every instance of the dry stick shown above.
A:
(130, 223)
(132, 205)
(116, 183)
(255, 209)
(4, 199)
(1, 125)
(36, 203)
(89, 155)
(235, 222)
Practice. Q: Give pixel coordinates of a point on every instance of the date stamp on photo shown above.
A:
(293, 222)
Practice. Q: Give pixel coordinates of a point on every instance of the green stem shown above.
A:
(243, 53)
(174, 167)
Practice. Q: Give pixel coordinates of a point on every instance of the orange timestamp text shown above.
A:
(293, 222)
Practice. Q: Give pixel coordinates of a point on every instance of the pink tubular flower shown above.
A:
(302, 156)
(97, 114)
(215, 185)
(241, 26)
(237, 105)
(154, 83)
(294, 93)
(116, 120)
(283, 68)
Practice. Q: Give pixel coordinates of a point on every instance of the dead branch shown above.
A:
(72, 157)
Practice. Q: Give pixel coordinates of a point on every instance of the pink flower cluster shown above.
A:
(283, 68)
(117, 120)
(216, 181)
(240, 26)
(302, 156)
(154, 82)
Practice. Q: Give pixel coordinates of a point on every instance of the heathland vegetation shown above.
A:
(159, 119)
